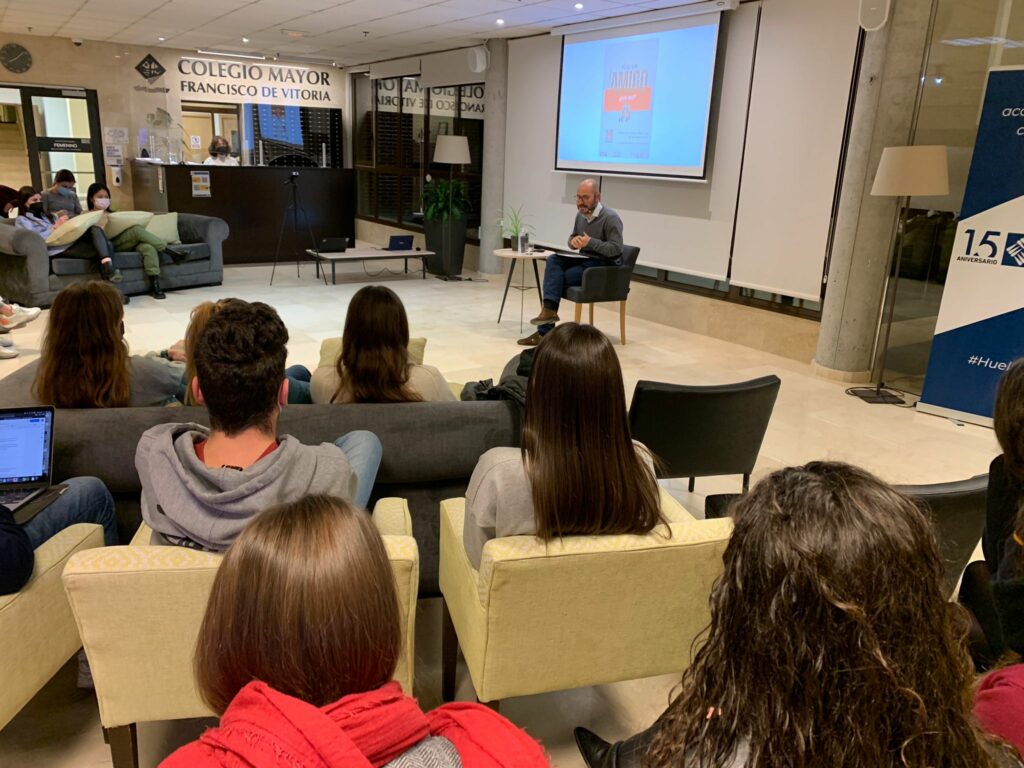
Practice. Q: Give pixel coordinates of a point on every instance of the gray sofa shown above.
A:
(30, 277)
(430, 450)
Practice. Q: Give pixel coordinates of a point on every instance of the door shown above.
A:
(62, 130)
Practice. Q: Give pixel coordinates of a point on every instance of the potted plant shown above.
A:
(445, 206)
(514, 227)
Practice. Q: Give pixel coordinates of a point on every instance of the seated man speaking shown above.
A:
(597, 235)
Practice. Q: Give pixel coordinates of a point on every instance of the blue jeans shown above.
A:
(363, 450)
(563, 272)
(298, 385)
(86, 500)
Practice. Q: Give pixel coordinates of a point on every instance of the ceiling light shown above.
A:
(230, 53)
(578, 6)
(500, 22)
(245, 39)
(295, 33)
(161, 39)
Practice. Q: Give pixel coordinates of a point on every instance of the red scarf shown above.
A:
(263, 727)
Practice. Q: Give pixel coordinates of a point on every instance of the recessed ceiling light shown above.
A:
(245, 39)
(161, 39)
(294, 33)
(578, 6)
(500, 22)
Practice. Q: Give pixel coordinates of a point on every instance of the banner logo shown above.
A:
(1014, 254)
(150, 68)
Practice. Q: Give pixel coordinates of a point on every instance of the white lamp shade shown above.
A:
(452, 150)
(912, 172)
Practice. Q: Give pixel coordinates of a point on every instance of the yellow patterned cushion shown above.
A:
(165, 226)
(72, 229)
(119, 221)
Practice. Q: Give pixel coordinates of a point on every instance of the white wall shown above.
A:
(689, 227)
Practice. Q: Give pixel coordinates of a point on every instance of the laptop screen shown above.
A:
(26, 439)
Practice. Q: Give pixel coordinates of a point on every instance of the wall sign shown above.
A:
(50, 144)
(151, 69)
(236, 82)
(201, 184)
(980, 330)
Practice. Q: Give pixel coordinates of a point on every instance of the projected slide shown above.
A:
(637, 100)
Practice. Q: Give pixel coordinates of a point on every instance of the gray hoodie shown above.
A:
(184, 498)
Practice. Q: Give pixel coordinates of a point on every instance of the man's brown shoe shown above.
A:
(547, 317)
(530, 341)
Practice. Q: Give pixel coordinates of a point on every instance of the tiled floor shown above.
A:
(813, 419)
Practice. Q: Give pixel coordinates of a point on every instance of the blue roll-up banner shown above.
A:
(980, 330)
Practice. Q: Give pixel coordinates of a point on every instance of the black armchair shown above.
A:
(606, 284)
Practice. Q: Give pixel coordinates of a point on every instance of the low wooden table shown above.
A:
(515, 257)
(366, 253)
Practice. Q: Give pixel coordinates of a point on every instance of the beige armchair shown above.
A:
(37, 631)
(139, 608)
(584, 610)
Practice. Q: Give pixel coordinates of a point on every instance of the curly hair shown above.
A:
(831, 641)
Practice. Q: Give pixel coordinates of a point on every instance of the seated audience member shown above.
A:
(298, 375)
(8, 201)
(999, 705)
(578, 472)
(831, 642)
(374, 365)
(92, 245)
(200, 487)
(86, 500)
(84, 361)
(220, 153)
(135, 238)
(316, 691)
(62, 197)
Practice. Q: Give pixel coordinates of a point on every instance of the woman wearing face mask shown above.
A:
(220, 153)
(62, 196)
(92, 245)
(134, 238)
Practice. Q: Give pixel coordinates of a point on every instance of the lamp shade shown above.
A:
(452, 150)
(912, 172)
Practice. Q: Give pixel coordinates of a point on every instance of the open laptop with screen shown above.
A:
(400, 243)
(26, 454)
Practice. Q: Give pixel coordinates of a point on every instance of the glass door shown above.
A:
(62, 127)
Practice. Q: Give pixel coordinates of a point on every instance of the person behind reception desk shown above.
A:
(220, 153)
(62, 196)
(597, 235)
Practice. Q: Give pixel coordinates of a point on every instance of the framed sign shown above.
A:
(201, 184)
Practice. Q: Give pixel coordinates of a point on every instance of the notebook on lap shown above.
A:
(26, 455)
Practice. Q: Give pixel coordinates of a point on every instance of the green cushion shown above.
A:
(165, 226)
(72, 229)
(119, 221)
(331, 348)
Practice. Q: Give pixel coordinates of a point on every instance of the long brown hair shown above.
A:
(304, 601)
(586, 474)
(1009, 428)
(831, 641)
(373, 366)
(84, 357)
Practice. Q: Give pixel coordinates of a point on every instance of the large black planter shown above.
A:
(447, 239)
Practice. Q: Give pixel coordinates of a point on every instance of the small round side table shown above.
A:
(515, 257)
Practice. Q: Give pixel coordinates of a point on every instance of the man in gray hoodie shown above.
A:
(201, 486)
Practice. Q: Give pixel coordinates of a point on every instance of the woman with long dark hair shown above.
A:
(374, 365)
(301, 638)
(831, 642)
(92, 245)
(62, 197)
(578, 472)
(84, 361)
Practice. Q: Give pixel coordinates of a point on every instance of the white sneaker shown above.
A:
(21, 316)
(5, 342)
(6, 353)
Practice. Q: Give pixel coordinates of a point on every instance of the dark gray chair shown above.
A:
(958, 513)
(606, 284)
(704, 431)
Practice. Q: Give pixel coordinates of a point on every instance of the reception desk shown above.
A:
(253, 201)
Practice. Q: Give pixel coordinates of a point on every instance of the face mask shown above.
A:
(36, 209)
(101, 203)
(222, 151)
(66, 191)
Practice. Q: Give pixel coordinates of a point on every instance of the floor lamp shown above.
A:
(450, 151)
(904, 172)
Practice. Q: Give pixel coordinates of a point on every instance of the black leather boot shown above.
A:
(154, 288)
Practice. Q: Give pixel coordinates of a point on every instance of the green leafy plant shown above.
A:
(513, 223)
(443, 198)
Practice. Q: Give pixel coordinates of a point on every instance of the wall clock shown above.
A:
(16, 58)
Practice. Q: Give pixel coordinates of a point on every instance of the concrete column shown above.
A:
(493, 196)
(887, 91)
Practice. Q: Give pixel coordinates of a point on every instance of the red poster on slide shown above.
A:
(627, 112)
